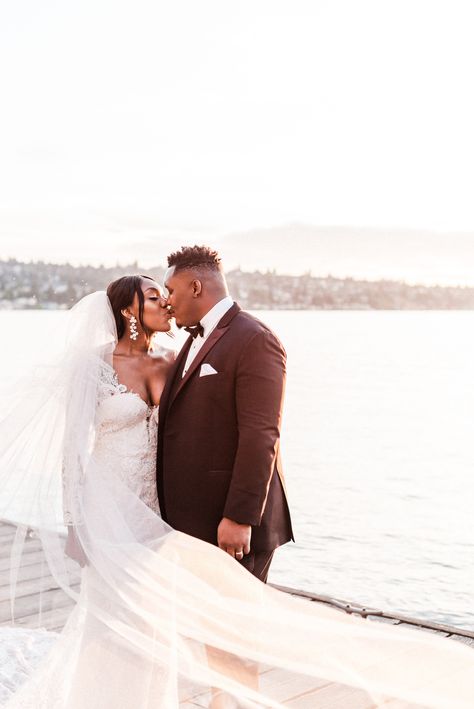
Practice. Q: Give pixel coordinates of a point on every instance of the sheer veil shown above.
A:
(156, 613)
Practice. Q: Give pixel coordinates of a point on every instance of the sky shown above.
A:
(155, 123)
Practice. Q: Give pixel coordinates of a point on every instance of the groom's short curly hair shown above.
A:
(190, 257)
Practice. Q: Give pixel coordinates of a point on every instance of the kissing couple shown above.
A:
(166, 471)
(216, 472)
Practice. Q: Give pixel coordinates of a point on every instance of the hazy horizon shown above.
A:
(414, 257)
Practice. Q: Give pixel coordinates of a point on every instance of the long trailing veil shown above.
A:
(157, 611)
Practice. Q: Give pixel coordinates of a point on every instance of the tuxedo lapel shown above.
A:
(214, 337)
(220, 330)
(176, 368)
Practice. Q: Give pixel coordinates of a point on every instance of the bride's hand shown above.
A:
(234, 538)
(73, 547)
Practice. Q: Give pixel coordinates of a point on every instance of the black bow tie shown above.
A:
(195, 330)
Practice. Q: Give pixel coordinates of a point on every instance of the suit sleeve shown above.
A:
(260, 384)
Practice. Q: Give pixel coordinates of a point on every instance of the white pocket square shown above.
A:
(206, 369)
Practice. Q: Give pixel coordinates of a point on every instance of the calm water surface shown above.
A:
(378, 446)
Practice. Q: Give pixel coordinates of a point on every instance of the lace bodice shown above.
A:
(126, 430)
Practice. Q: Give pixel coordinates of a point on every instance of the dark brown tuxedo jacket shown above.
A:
(219, 435)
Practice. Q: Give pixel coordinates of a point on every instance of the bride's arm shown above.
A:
(72, 466)
(73, 547)
(70, 482)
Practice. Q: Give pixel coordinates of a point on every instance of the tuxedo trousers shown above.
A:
(258, 563)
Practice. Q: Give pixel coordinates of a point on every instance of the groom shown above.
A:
(219, 471)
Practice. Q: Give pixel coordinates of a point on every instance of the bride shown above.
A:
(158, 616)
(139, 311)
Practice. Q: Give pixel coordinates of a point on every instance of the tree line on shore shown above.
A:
(39, 285)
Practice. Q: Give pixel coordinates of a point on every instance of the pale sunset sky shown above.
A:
(130, 127)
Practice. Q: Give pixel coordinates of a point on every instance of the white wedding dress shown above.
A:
(125, 450)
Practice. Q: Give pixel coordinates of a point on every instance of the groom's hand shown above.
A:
(234, 538)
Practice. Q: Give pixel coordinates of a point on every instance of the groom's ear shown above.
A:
(197, 288)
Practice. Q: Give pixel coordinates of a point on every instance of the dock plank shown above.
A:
(28, 588)
(462, 639)
(52, 620)
(29, 557)
(36, 570)
(284, 686)
(29, 605)
(31, 545)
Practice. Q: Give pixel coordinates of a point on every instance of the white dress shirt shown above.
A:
(208, 322)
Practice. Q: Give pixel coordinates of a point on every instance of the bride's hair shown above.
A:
(121, 294)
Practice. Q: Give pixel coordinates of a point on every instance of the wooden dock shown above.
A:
(287, 688)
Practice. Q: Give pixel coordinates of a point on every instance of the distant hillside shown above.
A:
(409, 255)
(43, 285)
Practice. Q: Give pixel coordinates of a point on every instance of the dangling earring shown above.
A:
(133, 328)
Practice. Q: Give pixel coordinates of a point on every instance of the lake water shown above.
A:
(378, 446)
